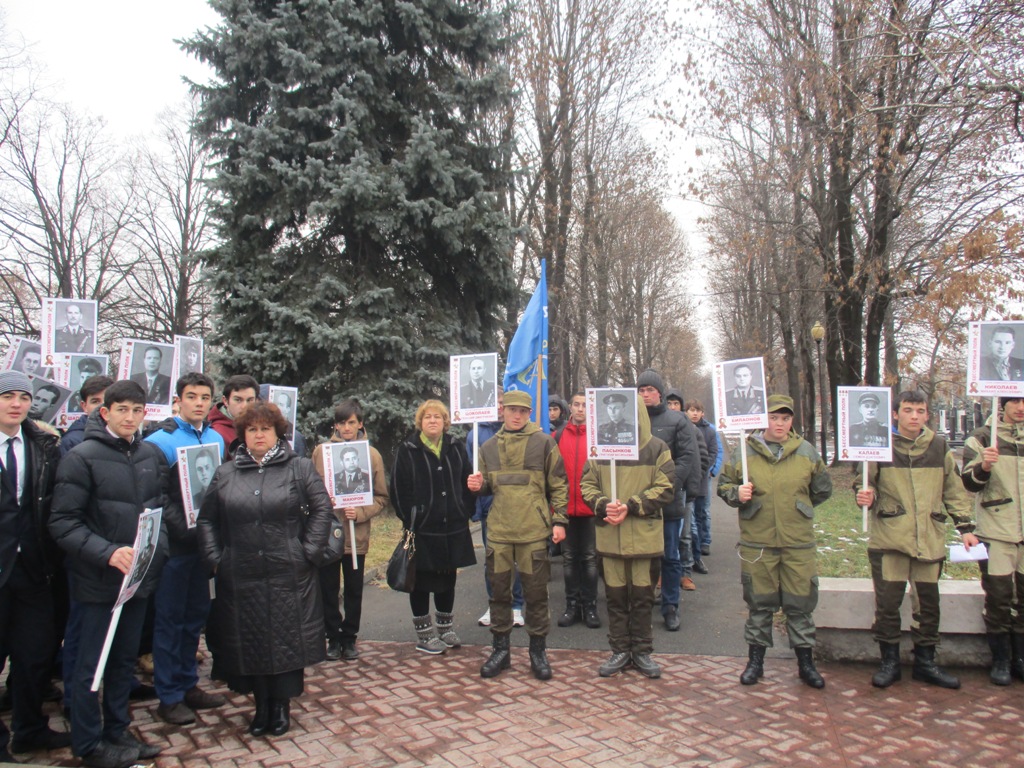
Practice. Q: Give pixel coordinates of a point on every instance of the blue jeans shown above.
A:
(90, 724)
(517, 585)
(182, 604)
(685, 537)
(701, 524)
(671, 568)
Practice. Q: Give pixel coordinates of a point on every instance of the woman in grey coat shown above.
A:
(263, 529)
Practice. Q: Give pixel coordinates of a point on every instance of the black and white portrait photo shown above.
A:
(69, 326)
(81, 368)
(188, 356)
(617, 427)
(27, 356)
(870, 421)
(864, 423)
(151, 369)
(1002, 352)
(348, 473)
(286, 399)
(611, 423)
(995, 358)
(47, 399)
(196, 465)
(746, 395)
(474, 387)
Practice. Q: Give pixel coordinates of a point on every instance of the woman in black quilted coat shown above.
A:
(263, 529)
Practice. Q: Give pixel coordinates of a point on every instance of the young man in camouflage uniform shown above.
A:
(778, 553)
(522, 468)
(909, 499)
(996, 473)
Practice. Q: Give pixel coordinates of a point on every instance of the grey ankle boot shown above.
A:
(445, 631)
(428, 641)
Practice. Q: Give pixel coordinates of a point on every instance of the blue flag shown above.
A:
(527, 366)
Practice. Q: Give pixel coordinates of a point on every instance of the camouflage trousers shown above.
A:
(534, 572)
(890, 572)
(774, 578)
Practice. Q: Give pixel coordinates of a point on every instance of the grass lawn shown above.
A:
(385, 531)
(842, 544)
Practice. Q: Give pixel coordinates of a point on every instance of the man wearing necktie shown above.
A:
(28, 456)
(156, 384)
(351, 479)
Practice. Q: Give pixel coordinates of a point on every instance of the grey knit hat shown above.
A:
(651, 378)
(14, 381)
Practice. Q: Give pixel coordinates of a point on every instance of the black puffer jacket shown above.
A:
(103, 485)
(435, 489)
(267, 617)
(688, 451)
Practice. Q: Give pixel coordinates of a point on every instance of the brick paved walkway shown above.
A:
(396, 707)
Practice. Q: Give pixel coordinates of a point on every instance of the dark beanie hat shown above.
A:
(651, 378)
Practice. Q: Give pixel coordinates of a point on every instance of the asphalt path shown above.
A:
(712, 616)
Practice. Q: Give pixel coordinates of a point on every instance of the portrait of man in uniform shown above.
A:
(744, 398)
(998, 362)
(74, 336)
(616, 429)
(870, 431)
(84, 369)
(477, 391)
(351, 477)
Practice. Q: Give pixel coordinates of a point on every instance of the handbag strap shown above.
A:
(303, 499)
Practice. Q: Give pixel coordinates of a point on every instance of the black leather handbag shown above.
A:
(402, 565)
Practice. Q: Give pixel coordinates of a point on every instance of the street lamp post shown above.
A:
(818, 334)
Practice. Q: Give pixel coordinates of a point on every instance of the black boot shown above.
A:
(1000, 647)
(889, 670)
(927, 671)
(571, 615)
(808, 672)
(1017, 656)
(590, 617)
(539, 658)
(755, 665)
(500, 658)
(280, 717)
(261, 717)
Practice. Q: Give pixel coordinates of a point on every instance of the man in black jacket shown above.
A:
(103, 485)
(691, 459)
(28, 462)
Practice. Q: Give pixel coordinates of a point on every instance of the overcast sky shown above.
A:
(111, 58)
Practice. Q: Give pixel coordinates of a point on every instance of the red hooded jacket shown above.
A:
(572, 444)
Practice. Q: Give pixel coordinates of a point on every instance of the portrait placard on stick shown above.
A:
(149, 364)
(995, 359)
(473, 387)
(69, 326)
(347, 473)
(196, 465)
(612, 431)
(48, 398)
(864, 422)
(739, 394)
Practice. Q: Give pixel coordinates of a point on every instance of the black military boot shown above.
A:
(889, 670)
(590, 617)
(1000, 647)
(805, 664)
(500, 658)
(755, 665)
(539, 658)
(571, 615)
(1017, 656)
(927, 671)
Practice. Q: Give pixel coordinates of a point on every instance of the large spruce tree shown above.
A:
(363, 241)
